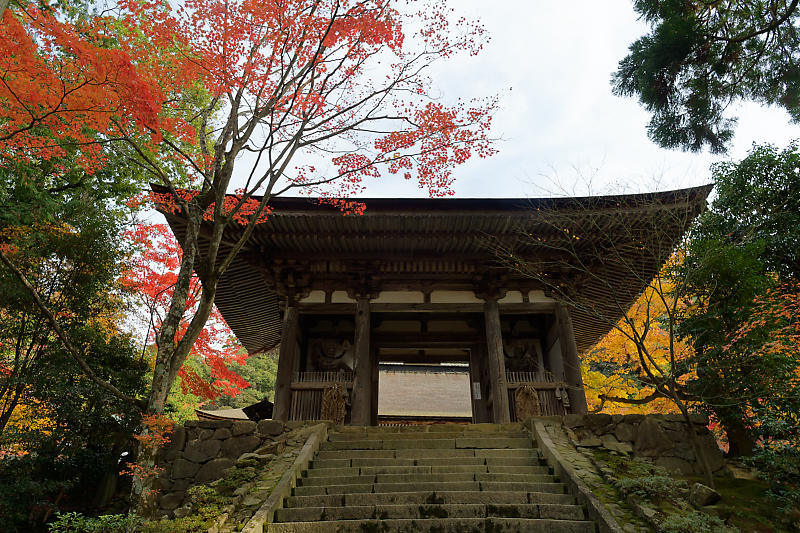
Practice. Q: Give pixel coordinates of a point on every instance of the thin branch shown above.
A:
(62, 335)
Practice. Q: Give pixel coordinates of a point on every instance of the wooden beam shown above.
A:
(319, 385)
(286, 361)
(360, 412)
(349, 308)
(425, 340)
(424, 359)
(497, 365)
(547, 385)
(572, 363)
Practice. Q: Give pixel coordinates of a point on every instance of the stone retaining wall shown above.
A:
(661, 439)
(200, 452)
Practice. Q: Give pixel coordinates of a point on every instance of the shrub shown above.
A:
(779, 464)
(652, 487)
(78, 523)
(694, 522)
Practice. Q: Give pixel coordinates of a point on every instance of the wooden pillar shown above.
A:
(497, 364)
(286, 363)
(477, 355)
(361, 408)
(571, 361)
(553, 358)
(373, 421)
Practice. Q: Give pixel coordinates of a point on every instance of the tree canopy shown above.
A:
(700, 57)
(742, 271)
(315, 96)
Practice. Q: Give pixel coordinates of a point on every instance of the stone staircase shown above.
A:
(439, 478)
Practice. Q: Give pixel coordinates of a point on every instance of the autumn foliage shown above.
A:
(153, 278)
(135, 76)
(256, 97)
(613, 368)
(159, 428)
(60, 84)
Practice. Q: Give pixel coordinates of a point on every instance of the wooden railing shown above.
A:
(307, 390)
(319, 377)
(551, 391)
(542, 376)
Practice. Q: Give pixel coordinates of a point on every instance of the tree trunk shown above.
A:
(170, 357)
(5, 416)
(698, 451)
(740, 440)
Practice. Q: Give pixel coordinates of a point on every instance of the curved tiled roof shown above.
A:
(454, 238)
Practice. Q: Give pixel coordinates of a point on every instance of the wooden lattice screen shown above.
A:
(552, 393)
(307, 390)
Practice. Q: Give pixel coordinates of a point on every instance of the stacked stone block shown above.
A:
(200, 452)
(663, 440)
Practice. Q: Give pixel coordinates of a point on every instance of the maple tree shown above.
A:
(743, 249)
(62, 81)
(151, 279)
(769, 339)
(643, 354)
(311, 95)
(613, 377)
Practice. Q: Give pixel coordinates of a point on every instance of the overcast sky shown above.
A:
(559, 122)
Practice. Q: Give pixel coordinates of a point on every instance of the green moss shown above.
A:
(432, 511)
(434, 499)
(243, 472)
(744, 504)
(506, 511)
(653, 488)
(694, 522)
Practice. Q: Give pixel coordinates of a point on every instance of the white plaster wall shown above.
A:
(511, 297)
(315, 297)
(400, 297)
(538, 296)
(341, 297)
(454, 297)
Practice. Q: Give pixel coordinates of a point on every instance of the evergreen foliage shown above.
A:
(701, 56)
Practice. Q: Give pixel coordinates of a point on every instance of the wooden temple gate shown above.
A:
(420, 282)
(526, 345)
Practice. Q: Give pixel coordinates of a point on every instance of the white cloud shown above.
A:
(560, 119)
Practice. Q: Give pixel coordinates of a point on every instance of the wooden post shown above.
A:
(477, 354)
(497, 364)
(361, 409)
(554, 361)
(286, 364)
(572, 363)
(374, 362)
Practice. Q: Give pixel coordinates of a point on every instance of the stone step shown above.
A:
(427, 469)
(365, 512)
(440, 478)
(502, 453)
(438, 525)
(421, 444)
(369, 435)
(471, 457)
(429, 497)
(421, 477)
(483, 486)
(435, 428)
